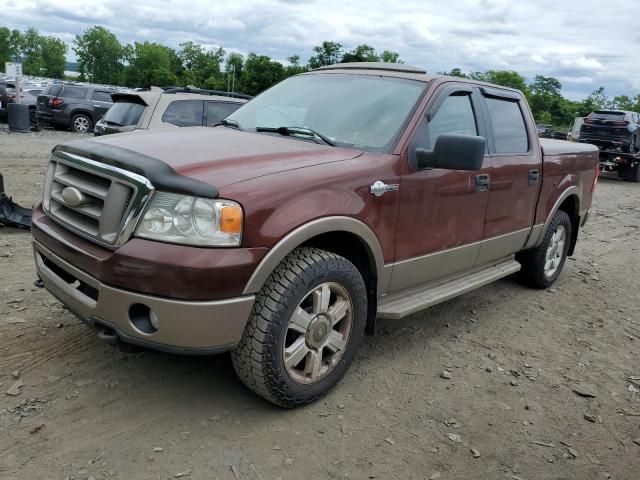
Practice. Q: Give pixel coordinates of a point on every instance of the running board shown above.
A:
(408, 302)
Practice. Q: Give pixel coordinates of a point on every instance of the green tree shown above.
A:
(54, 52)
(388, 56)
(10, 41)
(31, 52)
(101, 54)
(200, 66)
(362, 53)
(152, 64)
(260, 72)
(456, 72)
(506, 78)
(598, 99)
(546, 101)
(294, 67)
(326, 54)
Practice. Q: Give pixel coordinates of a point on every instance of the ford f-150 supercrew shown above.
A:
(341, 195)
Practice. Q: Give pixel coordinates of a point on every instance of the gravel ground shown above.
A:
(544, 384)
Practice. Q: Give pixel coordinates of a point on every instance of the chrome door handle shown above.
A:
(379, 188)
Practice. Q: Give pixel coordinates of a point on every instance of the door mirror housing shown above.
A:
(453, 152)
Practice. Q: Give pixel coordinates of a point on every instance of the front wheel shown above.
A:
(305, 328)
(541, 266)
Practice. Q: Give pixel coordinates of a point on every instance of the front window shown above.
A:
(362, 111)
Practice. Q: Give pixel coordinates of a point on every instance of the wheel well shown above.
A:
(351, 247)
(83, 112)
(571, 205)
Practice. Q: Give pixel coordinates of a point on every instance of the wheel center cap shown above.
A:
(318, 331)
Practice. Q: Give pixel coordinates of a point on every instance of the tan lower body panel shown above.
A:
(413, 300)
(182, 326)
(434, 266)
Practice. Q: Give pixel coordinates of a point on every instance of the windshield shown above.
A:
(124, 113)
(363, 111)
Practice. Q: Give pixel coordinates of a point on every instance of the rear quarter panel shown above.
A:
(566, 165)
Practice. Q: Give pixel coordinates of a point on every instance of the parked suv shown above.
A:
(612, 129)
(176, 107)
(339, 195)
(77, 107)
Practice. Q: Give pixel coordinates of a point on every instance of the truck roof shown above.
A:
(400, 70)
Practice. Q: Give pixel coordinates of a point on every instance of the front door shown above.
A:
(516, 176)
(441, 218)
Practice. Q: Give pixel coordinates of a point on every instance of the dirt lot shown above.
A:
(516, 356)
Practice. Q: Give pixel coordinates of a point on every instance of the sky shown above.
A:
(585, 44)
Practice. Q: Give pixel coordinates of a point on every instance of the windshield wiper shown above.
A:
(289, 131)
(228, 122)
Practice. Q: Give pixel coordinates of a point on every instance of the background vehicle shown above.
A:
(77, 107)
(544, 130)
(175, 107)
(340, 195)
(28, 96)
(574, 134)
(612, 129)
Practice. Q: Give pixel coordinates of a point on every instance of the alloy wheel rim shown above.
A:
(555, 251)
(81, 124)
(318, 333)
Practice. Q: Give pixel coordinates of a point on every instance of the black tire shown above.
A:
(81, 123)
(533, 261)
(259, 358)
(33, 121)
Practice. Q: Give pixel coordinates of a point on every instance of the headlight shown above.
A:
(174, 218)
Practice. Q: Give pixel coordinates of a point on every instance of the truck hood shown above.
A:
(221, 156)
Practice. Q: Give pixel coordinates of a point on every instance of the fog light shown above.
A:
(153, 318)
(143, 318)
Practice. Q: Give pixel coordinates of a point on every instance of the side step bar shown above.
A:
(405, 303)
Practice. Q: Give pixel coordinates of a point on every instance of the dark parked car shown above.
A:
(77, 107)
(28, 96)
(544, 130)
(612, 129)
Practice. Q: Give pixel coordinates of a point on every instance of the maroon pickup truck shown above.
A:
(342, 195)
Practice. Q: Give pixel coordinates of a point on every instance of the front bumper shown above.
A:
(177, 326)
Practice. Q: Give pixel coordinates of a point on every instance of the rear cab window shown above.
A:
(125, 112)
(607, 116)
(509, 128)
(184, 113)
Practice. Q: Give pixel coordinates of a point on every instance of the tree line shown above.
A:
(102, 58)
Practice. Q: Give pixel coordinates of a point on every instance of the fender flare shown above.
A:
(307, 231)
(573, 190)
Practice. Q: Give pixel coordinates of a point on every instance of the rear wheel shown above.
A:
(541, 266)
(81, 123)
(305, 328)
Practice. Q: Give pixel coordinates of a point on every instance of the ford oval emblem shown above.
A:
(73, 197)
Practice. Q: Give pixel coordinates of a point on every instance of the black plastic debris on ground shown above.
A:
(12, 214)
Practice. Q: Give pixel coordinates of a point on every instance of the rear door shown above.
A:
(516, 175)
(101, 102)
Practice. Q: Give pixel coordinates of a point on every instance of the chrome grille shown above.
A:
(109, 200)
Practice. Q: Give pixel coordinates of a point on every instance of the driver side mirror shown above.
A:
(453, 152)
